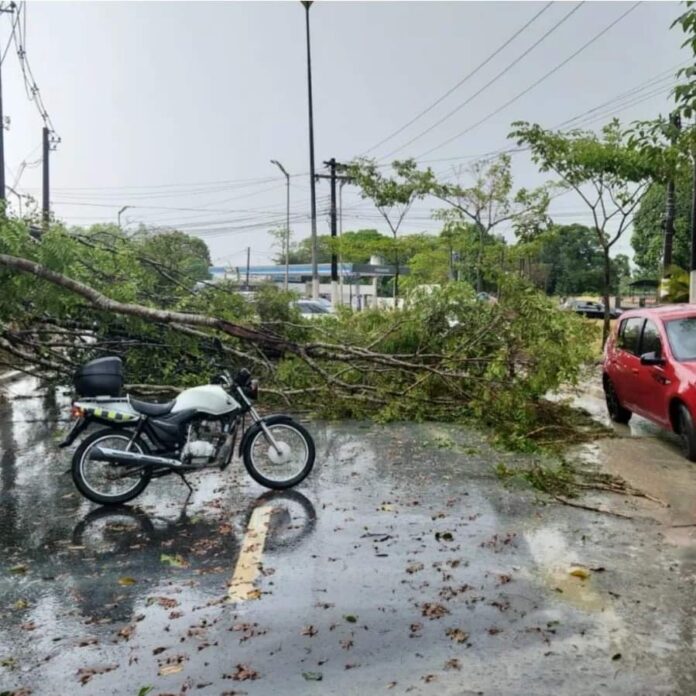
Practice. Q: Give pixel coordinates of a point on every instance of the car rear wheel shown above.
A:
(617, 412)
(686, 432)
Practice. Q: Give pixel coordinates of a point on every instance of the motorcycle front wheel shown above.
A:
(104, 482)
(285, 466)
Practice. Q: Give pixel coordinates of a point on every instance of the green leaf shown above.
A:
(175, 561)
(313, 676)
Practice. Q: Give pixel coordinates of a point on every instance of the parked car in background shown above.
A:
(591, 310)
(649, 368)
(313, 309)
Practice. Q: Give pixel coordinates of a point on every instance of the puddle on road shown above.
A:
(555, 558)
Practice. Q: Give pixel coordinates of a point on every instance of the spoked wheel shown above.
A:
(284, 464)
(107, 483)
(617, 412)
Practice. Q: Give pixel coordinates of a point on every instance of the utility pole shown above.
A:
(675, 127)
(46, 207)
(120, 212)
(331, 164)
(333, 177)
(247, 268)
(340, 235)
(286, 239)
(312, 182)
(11, 10)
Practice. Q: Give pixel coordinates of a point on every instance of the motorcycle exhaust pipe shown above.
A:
(107, 454)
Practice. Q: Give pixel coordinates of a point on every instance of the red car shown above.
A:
(650, 369)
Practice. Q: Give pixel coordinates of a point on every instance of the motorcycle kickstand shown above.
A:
(184, 479)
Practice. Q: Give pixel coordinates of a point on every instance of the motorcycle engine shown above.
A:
(203, 441)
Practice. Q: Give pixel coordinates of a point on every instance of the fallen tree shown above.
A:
(444, 356)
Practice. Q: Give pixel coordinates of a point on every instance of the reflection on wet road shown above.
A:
(401, 566)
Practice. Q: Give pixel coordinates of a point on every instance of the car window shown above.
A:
(651, 339)
(629, 334)
(681, 334)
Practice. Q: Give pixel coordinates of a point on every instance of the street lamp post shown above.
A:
(312, 182)
(286, 240)
(120, 212)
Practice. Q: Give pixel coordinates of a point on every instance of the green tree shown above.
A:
(301, 252)
(176, 251)
(647, 239)
(359, 246)
(392, 196)
(605, 171)
(574, 260)
(489, 203)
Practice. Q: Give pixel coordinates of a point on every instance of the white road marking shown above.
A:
(241, 587)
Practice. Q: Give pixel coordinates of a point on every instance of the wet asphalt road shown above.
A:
(402, 565)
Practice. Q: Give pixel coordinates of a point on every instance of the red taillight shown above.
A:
(76, 412)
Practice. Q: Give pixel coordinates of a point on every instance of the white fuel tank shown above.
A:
(209, 398)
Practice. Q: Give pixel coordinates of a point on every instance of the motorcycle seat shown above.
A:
(147, 408)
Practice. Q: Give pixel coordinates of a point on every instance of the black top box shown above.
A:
(100, 377)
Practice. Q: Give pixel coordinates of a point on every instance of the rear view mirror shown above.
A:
(651, 359)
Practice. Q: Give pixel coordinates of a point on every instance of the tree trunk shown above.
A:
(396, 274)
(479, 262)
(606, 290)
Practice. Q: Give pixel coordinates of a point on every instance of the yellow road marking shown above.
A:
(248, 566)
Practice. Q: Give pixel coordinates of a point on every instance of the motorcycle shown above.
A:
(197, 430)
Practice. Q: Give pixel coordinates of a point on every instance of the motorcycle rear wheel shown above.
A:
(91, 476)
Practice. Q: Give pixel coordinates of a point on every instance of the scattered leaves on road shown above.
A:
(432, 610)
(127, 632)
(457, 635)
(166, 670)
(312, 676)
(165, 602)
(85, 674)
(175, 561)
(242, 673)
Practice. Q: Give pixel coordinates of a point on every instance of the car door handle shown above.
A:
(635, 370)
(660, 378)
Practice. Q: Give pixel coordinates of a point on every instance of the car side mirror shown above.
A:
(651, 359)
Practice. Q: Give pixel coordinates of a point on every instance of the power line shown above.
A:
(30, 86)
(463, 80)
(534, 84)
(492, 81)
(15, 21)
(612, 103)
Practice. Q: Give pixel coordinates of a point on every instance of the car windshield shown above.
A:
(682, 337)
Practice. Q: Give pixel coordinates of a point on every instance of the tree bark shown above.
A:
(100, 301)
(607, 289)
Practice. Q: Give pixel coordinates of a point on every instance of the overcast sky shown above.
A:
(177, 108)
